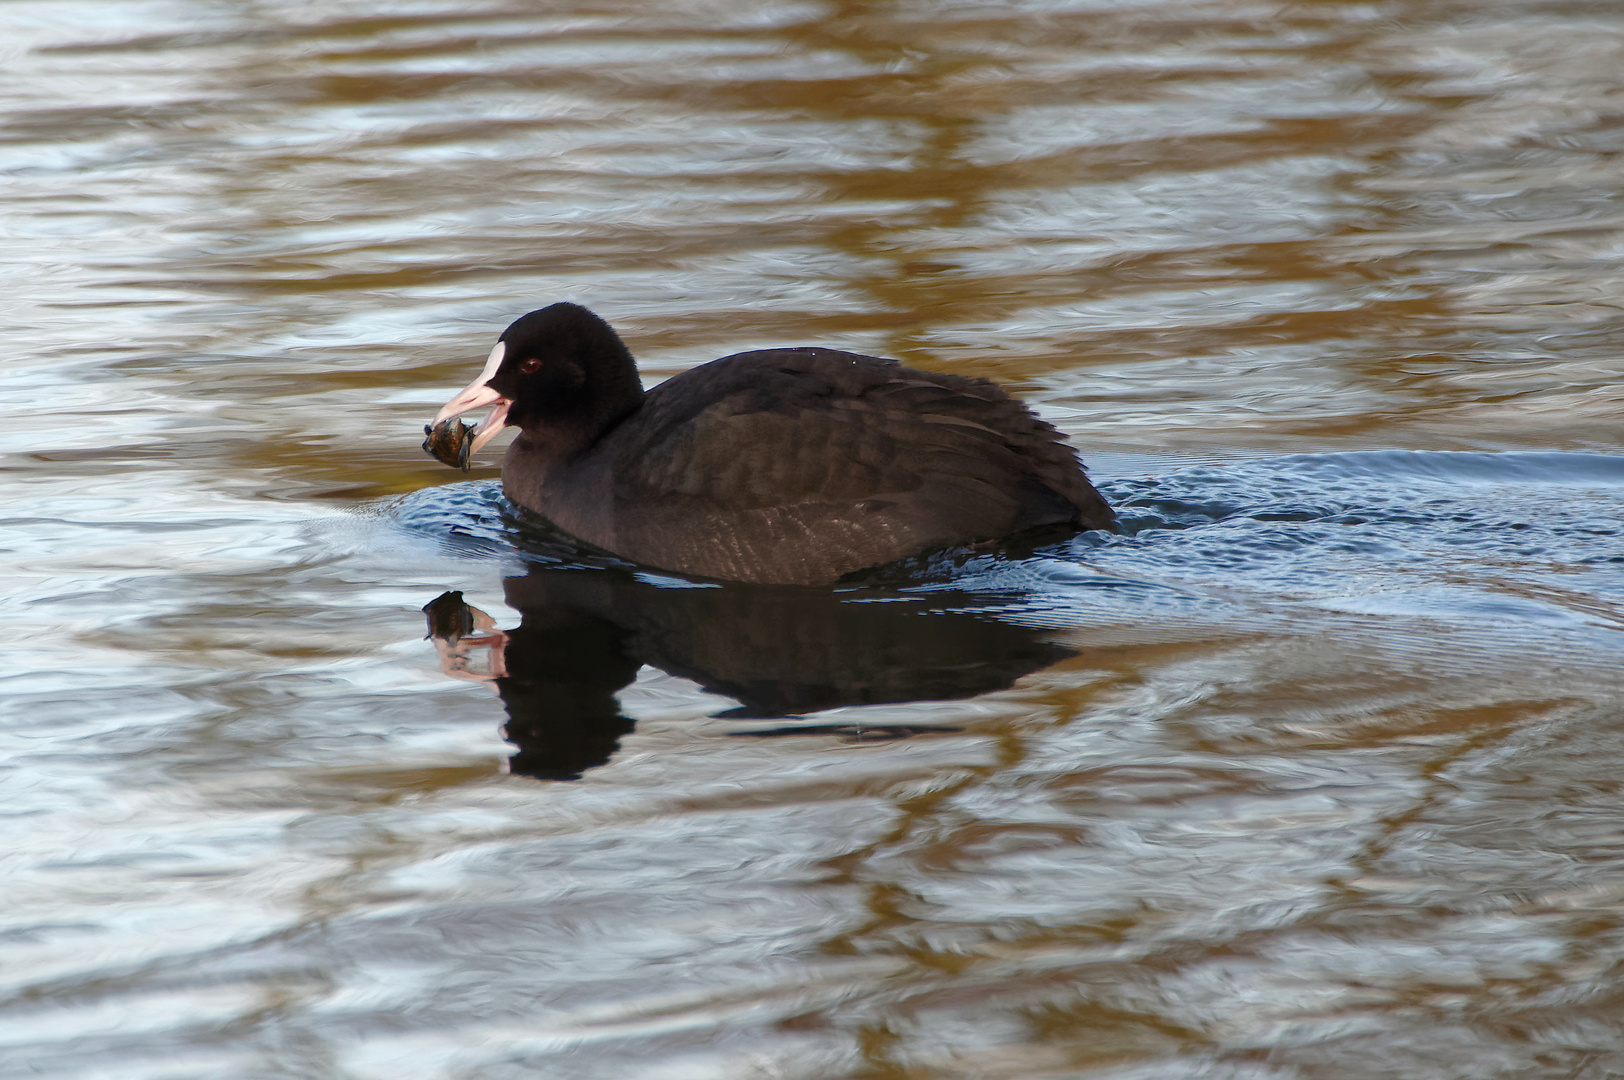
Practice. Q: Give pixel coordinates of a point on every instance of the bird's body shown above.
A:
(790, 466)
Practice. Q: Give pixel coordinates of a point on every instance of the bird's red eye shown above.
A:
(530, 365)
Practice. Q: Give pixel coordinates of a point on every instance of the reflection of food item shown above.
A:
(450, 617)
(449, 442)
(459, 632)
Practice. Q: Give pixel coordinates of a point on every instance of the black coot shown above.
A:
(780, 466)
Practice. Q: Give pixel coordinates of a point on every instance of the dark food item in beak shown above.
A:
(450, 442)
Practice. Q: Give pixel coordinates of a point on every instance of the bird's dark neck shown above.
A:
(557, 442)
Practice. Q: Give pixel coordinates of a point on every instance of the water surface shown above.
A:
(1313, 771)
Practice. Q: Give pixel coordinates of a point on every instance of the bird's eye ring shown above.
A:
(530, 365)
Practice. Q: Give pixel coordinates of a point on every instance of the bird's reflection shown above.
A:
(778, 651)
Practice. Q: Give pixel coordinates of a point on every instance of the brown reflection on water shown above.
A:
(1083, 978)
(910, 182)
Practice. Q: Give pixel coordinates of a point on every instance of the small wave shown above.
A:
(1462, 535)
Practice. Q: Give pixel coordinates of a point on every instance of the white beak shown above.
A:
(476, 395)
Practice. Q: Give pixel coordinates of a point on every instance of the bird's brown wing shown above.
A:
(801, 465)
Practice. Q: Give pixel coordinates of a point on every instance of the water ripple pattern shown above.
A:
(1311, 770)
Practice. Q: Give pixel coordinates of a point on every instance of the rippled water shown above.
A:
(1313, 771)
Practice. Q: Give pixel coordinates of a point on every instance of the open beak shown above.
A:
(476, 395)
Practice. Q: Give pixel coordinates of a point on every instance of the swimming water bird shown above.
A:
(779, 466)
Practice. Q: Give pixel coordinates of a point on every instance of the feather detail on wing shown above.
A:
(835, 454)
